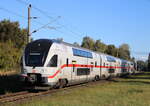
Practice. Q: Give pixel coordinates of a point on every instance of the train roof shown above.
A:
(78, 47)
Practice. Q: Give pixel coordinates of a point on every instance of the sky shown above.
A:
(112, 21)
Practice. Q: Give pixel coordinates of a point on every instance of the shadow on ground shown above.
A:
(145, 75)
(10, 83)
(135, 79)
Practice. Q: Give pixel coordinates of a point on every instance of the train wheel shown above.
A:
(65, 82)
(61, 83)
(103, 77)
(97, 78)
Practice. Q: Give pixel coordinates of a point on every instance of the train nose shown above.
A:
(37, 70)
(34, 78)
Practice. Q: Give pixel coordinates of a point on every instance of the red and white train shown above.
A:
(57, 64)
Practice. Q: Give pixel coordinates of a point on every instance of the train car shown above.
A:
(118, 67)
(58, 64)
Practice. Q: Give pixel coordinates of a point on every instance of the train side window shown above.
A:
(67, 61)
(53, 61)
(83, 71)
(92, 63)
(92, 66)
(95, 63)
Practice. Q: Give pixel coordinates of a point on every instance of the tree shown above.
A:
(99, 46)
(124, 46)
(9, 56)
(60, 39)
(12, 41)
(133, 59)
(88, 43)
(111, 50)
(12, 31)
(148, 62)
(76, 44)
(141, 65)
(124, 52)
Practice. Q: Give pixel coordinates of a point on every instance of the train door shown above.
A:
(100, 66)
(91, 71)
(104, 72)
(73, 72)
(128, 67)
(83, 72)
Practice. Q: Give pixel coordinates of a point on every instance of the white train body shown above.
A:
(48, 62)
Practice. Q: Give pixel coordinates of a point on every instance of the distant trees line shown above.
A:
(122, 52)
(143, 65)
(13, 40)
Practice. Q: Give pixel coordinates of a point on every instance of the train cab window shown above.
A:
(53, 61)
(36, 52)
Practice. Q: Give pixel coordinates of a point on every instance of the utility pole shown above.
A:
(29, 25)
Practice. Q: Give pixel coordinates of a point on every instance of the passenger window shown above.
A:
(53, 61)
(83, 71)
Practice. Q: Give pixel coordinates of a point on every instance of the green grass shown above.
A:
(132, 91)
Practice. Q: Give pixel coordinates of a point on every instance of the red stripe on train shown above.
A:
(79, 65)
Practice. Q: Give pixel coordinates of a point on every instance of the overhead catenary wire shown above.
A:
(34, 7)
(60, 31)
(49, 27)
(16, 14)
(70, 24)
(11, 12)
(24, 17)
(50, 17)
(44, 25)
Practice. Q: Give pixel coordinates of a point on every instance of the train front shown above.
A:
(33, 71)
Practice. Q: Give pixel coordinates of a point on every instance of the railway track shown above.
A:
(13, 94)
(16, 97)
